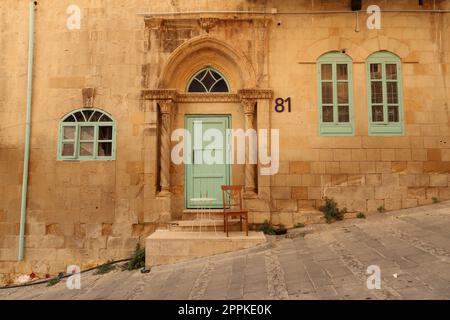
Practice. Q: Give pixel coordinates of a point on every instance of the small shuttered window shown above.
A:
(87, 134)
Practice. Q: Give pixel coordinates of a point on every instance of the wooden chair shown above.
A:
(232, 206)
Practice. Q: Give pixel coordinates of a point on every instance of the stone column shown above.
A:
(166, 108)
(249, 106)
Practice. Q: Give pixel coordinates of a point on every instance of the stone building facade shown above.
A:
(132, 61)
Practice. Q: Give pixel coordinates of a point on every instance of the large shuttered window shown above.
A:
(335, 86)
(384, 93)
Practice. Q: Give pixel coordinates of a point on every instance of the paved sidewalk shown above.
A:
(328, 263)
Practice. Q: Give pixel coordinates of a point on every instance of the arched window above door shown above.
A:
(208, 80)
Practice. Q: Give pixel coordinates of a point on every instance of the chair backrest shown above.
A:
(232, 197)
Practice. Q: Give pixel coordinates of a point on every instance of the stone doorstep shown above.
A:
(193, 214)
(167, 247)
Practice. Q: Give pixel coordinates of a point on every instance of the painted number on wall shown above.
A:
(281, 104)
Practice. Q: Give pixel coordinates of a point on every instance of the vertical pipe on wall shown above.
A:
(26, 157)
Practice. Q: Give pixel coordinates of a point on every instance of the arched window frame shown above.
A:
(104, 120)
(208, 90)
(386, 127)
(335, 127)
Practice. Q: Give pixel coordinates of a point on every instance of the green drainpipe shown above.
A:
(26, 157)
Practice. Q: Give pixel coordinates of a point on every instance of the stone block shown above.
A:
(434, 155)
(392, 204)
(342, 155)
(299, 193)
(257, 205)
(373, 205)
(314, 193)
(294, 180)
(416, 193)
(399, 166)
(409, 203)
(438, 180)
(258, 217)
(373, 179)
(299, 167)
(286, 205)
(279, 193)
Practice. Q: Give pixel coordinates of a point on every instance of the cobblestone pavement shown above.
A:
(411, 247)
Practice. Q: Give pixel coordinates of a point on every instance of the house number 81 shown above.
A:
(280, 104)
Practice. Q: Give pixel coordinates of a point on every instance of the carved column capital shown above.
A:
(166, 106)
(249, 106)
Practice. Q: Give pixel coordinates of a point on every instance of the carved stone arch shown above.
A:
(321, 47)
(204, 51)
(357, 51)
(383, 43)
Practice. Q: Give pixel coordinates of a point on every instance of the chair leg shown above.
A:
(246, 224)
(242, 227)
(226, 223)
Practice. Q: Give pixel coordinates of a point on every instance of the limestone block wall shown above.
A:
(78, 212)
(89, 212)
(361, 172)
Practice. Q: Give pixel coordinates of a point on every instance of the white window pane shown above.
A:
(68, 149)
(327, 113)
(392, 92)
(377, 114)
(86, 149)
(69, 133)
(391, 71)
(326, 71)
(105, 149)
(342, 88)
(393, 114)
(377, 91)
(87, 133)
(343, 114)
(375, 71)
(105, 133)
(327, 92)
(342, 72)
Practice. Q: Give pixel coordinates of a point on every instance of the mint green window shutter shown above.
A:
(335, 88)
(385, 94)
(87, 134)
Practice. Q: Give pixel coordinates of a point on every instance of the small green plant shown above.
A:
(331, 210)
(267, 228)
(360, 215)
(53, 281)
(381, 209)
(105, 268)
(299, 225)
(435, 200)
(137, 259)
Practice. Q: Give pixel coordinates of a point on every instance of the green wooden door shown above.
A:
(208, 153)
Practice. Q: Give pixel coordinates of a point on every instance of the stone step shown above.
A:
(204, 225)
(166, 247)
(192, 214)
